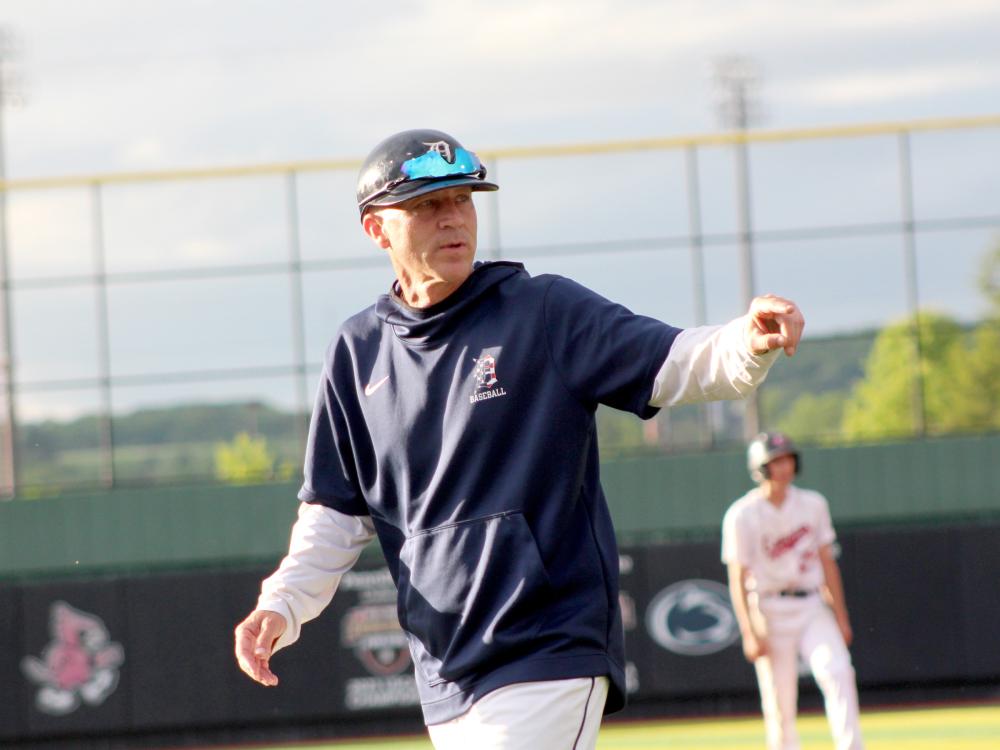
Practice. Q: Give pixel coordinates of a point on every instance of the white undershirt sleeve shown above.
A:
(325, 544)
(710, 363)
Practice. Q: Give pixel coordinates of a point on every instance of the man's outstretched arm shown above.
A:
(710, 363)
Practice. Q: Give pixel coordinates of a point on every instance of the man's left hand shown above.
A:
(773, 323)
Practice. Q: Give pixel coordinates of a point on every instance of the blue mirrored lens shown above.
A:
(440, 162)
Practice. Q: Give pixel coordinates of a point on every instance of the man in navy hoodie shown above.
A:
(455, 422)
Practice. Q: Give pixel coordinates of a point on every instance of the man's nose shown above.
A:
(449, 214)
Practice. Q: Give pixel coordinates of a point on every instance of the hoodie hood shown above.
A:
(419, 326)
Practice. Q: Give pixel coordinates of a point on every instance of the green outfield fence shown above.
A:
(652, 499)
(126, 294)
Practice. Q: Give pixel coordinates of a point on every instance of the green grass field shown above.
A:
(952, 728)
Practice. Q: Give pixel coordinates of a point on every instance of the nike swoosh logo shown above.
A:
(372, 387)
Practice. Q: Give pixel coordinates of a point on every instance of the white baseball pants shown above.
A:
(805, 627)
(552, 715)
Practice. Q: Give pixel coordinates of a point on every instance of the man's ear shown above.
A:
(372, 224)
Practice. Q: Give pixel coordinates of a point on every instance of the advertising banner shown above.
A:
(117, 655)
(71, 665)
(685, 640)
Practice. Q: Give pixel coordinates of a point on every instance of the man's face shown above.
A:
(782, 469)
(430, 238)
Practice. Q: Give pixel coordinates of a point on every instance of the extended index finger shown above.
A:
(777, 314)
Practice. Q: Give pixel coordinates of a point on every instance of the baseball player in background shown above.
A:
(777, 544)
(455, 422)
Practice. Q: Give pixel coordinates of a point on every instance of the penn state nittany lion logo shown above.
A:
(80, 664)
(692, 618)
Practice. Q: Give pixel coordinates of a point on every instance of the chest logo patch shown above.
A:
(487, 384)
(777, 547)
(372, 387)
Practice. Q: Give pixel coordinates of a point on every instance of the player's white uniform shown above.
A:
(779, 546)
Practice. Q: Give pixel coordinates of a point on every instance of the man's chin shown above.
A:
(458, 262)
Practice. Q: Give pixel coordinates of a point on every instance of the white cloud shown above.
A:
(885, 85)
(204, 252)
(144, 153)
(49, 232)
(120, 85)
(898, 16)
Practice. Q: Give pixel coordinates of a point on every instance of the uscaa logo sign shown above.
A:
(692, 618)
(371, 630)
(373, 633)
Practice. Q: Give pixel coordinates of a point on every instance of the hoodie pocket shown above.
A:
(471, 595)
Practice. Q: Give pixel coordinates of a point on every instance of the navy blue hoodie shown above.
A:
(466, 430)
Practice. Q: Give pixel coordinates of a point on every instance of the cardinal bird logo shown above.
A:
(80, 664)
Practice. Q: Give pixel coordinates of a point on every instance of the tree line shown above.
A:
(929, 374)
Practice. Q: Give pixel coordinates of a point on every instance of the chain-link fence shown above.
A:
(170, 326)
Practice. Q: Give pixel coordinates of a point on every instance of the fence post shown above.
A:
(8, 421)
(751, 414)
(298, 307)
(910, 279)
(105, 420)
(697, 247)
(493, 171)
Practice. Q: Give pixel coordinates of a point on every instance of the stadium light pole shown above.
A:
(8, 427)
(737, 79)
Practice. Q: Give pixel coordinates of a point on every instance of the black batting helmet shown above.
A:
(766, 447)
(415, 162)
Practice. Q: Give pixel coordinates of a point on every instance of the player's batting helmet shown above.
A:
(415, 162)
(766, 447)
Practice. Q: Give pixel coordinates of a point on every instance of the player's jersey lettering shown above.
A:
(487, 394)
(785, 543)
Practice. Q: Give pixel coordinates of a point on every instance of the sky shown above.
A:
(109, 86)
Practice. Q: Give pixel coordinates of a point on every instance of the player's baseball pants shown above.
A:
(551, 715)
(805, 627)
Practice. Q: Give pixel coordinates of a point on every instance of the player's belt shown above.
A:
(797, 593)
